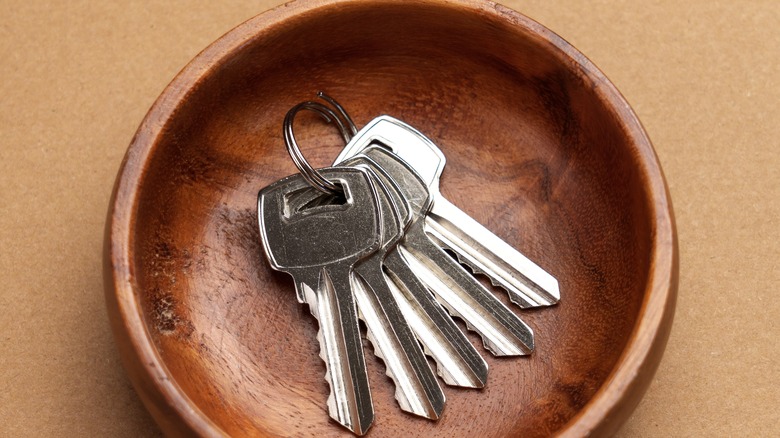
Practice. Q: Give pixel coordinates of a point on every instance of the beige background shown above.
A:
(77, 77)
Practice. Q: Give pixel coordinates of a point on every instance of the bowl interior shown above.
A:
(533, 153)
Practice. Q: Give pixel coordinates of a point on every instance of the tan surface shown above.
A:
(77, 77)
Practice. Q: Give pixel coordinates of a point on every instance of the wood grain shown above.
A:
(541, 149)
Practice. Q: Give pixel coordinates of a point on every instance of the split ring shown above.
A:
(347, 131)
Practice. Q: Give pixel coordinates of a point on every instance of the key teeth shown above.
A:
(322, 354)
(492, 348)
(479, 271)
(453, 313)
(521, 300)
(514, 297)
(331, 395)
(476, 383)
(474, 268)
(399, 396)
(439, 369)
(331, 401)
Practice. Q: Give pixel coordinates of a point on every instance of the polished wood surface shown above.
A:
(541, 149)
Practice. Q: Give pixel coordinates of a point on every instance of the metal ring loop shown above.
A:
(330, 116)
(341, 110)
(309, 173)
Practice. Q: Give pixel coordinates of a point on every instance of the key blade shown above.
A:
(416, 388)
(457, 361)
(349, 401)
(528, 285)
(502, 332)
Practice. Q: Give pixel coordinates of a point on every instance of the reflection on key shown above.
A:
(307, 241)
(417, 390)
(502, 331)
(528, 285)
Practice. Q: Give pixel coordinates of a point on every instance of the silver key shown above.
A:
(417, 389)
(318, 245)
(458, 362)
(528, 285)
(503, 333)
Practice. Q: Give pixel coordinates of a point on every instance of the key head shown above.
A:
(411, 145)
(413, 189)
(387, 184)
(392, 230)
(303, 235)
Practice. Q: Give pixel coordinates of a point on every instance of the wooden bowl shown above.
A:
(541, 148)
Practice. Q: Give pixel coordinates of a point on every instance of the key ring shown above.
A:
(339, 117)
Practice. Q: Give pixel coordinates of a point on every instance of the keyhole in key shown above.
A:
(324, 200)
(308, 200)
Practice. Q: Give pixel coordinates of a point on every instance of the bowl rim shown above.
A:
(603, 414)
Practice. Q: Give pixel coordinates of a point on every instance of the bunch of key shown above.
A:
(368, 239)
